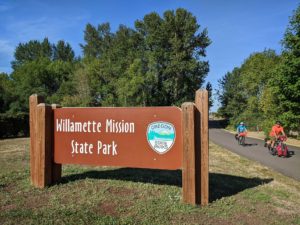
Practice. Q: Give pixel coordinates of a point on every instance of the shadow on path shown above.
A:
(217, 123)
(220, 185)
(249, 145)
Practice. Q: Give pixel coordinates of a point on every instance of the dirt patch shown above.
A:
(9, 187)
(8, 207)
(14, 145)
(108, 208)
(288, 209)
(36, 201)
(248, 219)
(122, 192)
(200, 219)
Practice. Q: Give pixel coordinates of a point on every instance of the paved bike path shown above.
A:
(256, 151)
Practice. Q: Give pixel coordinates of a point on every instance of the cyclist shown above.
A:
(276, 131)
(241, 128)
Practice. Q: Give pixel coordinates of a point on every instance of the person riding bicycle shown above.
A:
(241, 129)
(275, 132)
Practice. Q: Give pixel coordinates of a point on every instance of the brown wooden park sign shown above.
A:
(138, 137)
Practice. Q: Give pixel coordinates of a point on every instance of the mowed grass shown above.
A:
(241, 192)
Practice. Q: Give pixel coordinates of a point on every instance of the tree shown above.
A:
(174, 48)
(286, 82)
(231, 95)
(160, 58)
(245, 92)
(6, 92)
(63, 51)
(210, 97)
(34, 50)
(41, 76)
(31, 51)
(40, 67)
(97, 40)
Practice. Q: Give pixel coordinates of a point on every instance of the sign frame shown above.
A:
(44, 171)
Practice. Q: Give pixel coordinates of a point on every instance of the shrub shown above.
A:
(14, 125)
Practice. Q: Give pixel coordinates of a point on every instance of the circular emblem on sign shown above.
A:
(161, 136)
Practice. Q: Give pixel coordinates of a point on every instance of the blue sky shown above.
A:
(237, 28)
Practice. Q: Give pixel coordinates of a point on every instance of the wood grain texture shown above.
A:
(201, 102)
(56, 168)
(189, 184)
(34, 100)
(44, 148)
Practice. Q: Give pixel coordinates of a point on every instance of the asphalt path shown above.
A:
(255, 150)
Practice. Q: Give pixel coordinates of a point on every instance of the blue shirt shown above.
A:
(241, 128)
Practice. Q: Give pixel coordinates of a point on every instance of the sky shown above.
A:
(237, 28)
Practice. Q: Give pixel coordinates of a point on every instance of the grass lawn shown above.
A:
(241, 192)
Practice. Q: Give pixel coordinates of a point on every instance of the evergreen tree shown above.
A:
(286, 82)
(31, 51)
(63, 51)
(210, 95)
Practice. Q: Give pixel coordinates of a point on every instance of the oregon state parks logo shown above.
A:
(161, 136)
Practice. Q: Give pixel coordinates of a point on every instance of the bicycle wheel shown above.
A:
(285, 150)
(243, 140)
(240, 140)
(273, 151)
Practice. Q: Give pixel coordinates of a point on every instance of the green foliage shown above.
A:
(158, 62)
(41, 76)
(231, 94)
(33, 50)
(264, 89)
(63, 51)
(13, 125)
(287, 79)
(269, 83)
(97, 40)
(6, 92)
(210, 98)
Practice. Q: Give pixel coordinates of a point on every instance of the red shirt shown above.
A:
(276, 130)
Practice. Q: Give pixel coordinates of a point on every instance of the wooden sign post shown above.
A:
(139, 137)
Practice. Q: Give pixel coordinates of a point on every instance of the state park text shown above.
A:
(108, 126)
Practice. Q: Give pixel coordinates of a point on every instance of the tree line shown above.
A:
(158, 62)
(266, 87)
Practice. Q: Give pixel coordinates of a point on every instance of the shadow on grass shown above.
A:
(220, 185)
(224, 185)
(153, 176)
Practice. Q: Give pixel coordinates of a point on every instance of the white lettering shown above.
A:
(113, 126)
(107, 149)
(59, 125)
(99, 127)
(81, 148)
(66, 125)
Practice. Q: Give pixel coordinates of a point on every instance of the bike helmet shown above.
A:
(241, 123)
(278, 122)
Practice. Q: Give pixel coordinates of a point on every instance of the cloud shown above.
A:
(31, 29)
(5, 7)
(5, 69)
(6, 55)
(6, 48)
(38, 28)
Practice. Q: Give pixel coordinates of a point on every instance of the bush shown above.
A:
(14, 125)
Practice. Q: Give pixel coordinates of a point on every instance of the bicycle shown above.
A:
(241, 138)
(279, 148)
